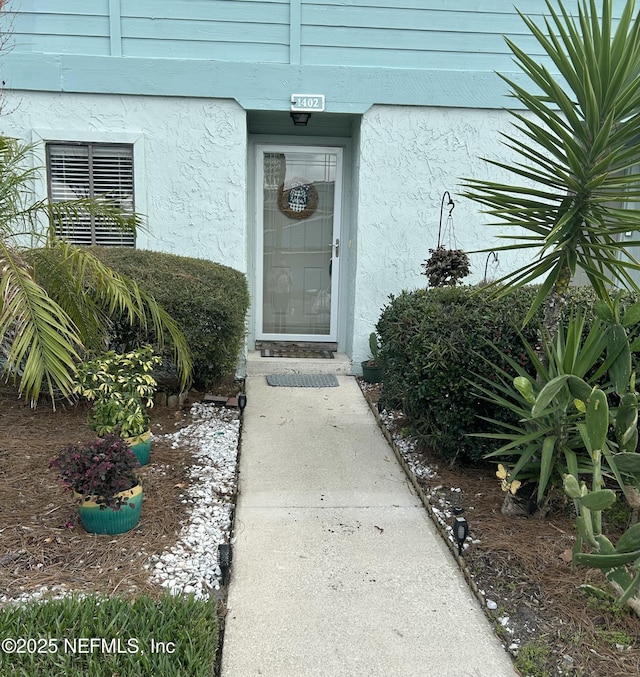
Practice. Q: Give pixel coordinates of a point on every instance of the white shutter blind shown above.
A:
(91, 170)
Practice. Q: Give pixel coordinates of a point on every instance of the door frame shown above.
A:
(258, 175)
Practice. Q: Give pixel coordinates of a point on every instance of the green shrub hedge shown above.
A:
(209, 302)
(432, 340)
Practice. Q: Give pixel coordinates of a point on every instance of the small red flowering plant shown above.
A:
(99, 470)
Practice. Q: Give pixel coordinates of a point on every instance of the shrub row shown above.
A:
(433, 340)
(208, 301)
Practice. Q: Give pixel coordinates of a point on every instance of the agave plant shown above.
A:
(56, 299)
(545, 442)
(578, 157)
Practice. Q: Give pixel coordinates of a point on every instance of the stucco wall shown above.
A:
(191, 182)
(189, 155)
(408, 157)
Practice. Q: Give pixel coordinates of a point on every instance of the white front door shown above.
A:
(298, 208)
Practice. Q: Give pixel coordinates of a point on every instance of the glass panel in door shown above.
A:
(299, 225)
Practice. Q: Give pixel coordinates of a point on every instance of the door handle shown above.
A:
(337, 245)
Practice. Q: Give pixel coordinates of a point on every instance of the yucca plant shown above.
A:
(578, 155)
(57, 299)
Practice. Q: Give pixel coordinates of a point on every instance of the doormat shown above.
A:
(300, 353)
(303, 380)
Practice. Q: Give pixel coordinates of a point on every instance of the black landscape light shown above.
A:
(224, 561)
(242, 402)
(460, 528)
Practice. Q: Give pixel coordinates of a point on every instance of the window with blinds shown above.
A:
(82, 170)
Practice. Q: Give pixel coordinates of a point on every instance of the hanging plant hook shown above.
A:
(452, 206)
(493, 257)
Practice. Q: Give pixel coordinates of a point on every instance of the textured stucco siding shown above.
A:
(192, 180)
(191, 186)
(408, 157)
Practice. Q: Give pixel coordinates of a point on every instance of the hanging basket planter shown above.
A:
(446, 266)
(299, 201)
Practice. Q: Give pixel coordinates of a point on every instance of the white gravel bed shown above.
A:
(191, 565)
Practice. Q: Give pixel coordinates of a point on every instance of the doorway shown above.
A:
(298, 214)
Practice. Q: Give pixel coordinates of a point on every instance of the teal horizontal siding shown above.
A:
(399, 40)
(371, 33)
(454, 6)
(63, 44)
(68, 7)
(237, 30)
(470, 21)
(265, 11)
(206, 51)
(59, 26)
(398, 30)
(418, 60)
(356, 52)
(204, 31)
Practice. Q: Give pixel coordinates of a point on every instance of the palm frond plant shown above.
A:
(575, 193)
(576, 142)
(57, 299)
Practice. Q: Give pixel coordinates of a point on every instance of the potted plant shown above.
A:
(121, 388)
(446, 267)
(102, 473)
(371, 369)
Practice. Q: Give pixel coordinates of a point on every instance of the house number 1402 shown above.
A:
(307, 102)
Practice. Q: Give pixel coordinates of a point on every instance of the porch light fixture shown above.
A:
(460, 528)
(300, 119)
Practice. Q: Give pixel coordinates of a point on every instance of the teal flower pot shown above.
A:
(141, 446)
(371, 373)
(108, 520)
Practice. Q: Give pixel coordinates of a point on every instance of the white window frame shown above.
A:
(40, 137)
(83, 163)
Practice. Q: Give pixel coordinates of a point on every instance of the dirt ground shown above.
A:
(520, 563)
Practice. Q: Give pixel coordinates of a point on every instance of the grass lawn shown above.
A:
(109, 637)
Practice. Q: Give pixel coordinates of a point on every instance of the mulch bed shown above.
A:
(42, 543)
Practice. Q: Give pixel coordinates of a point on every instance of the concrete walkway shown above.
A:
(337, 569)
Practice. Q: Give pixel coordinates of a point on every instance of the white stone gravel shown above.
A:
(191, 565)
